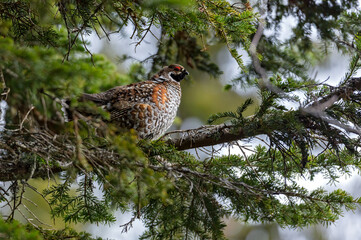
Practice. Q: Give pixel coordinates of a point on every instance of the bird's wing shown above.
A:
(124, 100)
(135, 92)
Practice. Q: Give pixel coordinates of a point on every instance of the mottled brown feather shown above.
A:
(149, 106)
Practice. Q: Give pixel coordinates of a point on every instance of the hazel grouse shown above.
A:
(149, 107)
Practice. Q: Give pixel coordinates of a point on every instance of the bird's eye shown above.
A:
(177, 68)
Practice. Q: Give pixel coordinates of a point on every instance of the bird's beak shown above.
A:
(185, 72)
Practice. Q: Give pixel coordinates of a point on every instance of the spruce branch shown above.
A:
(58, 148)
(318, 107)
(107, 158)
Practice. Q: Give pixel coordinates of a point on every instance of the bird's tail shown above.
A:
(97, 98)
(69, 110)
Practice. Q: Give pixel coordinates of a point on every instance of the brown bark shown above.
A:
(206, 136)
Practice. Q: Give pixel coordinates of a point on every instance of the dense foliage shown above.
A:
(44, 56)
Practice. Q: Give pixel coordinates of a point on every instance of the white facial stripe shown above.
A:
(170, 76)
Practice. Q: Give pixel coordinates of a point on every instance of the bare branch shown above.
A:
(318, 107)
(206, 136)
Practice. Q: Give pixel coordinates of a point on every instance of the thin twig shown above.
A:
(79, 30)
(25, 118)
(146, 32)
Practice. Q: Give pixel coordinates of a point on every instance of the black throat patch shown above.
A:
(178, 77)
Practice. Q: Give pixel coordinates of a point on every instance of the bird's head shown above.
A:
(177, 72)
(173, 72)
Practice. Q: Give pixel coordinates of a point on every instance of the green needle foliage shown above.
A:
(99, 169)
